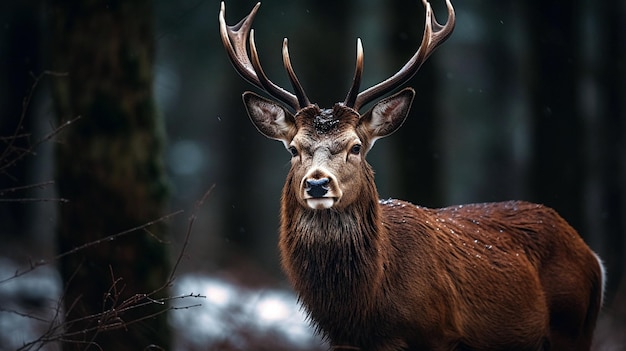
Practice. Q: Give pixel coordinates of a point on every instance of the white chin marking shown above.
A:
(320, 203)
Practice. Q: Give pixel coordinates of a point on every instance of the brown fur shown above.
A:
(499, 276)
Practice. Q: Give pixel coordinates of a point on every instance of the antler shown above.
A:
(434, 35)
(234, 39)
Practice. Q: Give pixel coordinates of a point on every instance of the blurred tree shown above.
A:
(415, 146)
(19, 62)
(558, 154)
(601, 104)
(109, 167)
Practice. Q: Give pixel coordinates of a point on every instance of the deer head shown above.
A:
(328, 146)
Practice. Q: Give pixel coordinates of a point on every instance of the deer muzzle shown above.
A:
(318, 190)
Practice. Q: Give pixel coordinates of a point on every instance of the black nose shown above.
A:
(317, 187)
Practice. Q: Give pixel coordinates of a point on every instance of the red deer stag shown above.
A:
(388, 275)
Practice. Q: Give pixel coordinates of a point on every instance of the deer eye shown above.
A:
(356, 149)
(294, 152)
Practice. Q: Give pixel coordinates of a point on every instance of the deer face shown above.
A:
(328, 146)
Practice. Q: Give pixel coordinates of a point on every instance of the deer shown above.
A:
(387, 275)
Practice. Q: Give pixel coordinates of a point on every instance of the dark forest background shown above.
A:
(526, 100)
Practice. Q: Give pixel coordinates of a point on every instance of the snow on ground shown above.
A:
(27, 304)
(238, 317)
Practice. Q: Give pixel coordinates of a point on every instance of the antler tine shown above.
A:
(234, 39)
(238, 35)
(295, 83)
(434, 35)
(358, 73)
(271, 88)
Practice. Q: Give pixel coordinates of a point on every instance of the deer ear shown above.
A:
(269, 117)
(388, 114)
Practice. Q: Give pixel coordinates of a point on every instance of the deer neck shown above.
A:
(331, 256)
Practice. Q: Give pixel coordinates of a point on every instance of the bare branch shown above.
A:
(11, 153)
(192, 219)
(37, 264)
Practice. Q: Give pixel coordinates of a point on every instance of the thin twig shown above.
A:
(35, 199)
(40, 263)
(17, 134)
(192, 219)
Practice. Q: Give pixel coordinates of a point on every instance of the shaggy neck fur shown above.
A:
(334, 259)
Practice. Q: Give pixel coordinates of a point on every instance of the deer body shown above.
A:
(389, 275)
(472, 277)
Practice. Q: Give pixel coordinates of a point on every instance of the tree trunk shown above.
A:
(19, 45)
(109, 166)
(556, 172)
